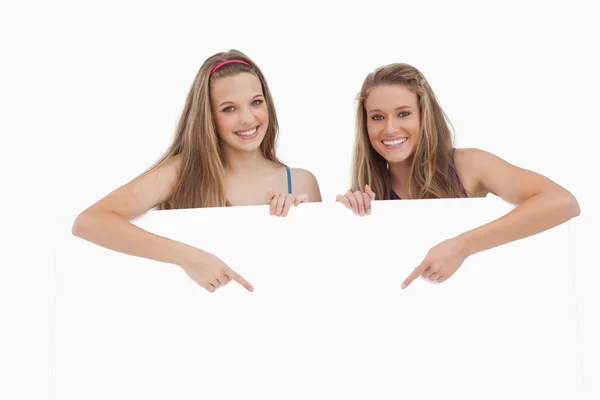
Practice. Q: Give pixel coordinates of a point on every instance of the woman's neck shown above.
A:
(245, 162)
(400, 173)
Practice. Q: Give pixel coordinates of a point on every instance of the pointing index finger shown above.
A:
(239, 279)
(414, 275)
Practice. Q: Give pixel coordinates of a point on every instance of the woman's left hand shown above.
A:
(281, 202)
(441, 262)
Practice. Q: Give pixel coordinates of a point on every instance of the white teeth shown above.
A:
(394, 142)
(247, 133)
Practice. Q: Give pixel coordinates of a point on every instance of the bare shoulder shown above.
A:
(304, 181)
(302, 177)
(485, 173)
(144, 192)
(466, 160)
(474, 162)
(168, 171)
(466, 156)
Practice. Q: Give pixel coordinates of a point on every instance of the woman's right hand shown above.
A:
(209, 271)
(359, 202)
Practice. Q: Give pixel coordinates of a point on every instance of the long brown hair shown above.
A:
(432, 172)
(201, 176)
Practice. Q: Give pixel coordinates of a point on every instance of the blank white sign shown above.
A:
(327, 319)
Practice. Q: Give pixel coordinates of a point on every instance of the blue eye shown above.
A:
(228, 109)
(403, 114)
(257, 102)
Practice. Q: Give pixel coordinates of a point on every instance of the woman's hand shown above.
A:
(359, 202)
(441, 262)
(281, 202)
(209, 271)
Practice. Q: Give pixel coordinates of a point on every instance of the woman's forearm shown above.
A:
(112, 231)
(537, 214)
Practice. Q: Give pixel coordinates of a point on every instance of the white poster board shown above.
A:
(327, 319)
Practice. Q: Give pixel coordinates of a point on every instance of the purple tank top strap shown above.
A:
(455, 175)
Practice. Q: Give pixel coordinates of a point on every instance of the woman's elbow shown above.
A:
(86, 223)
(81, 225)
(569, 205)
(573, 206)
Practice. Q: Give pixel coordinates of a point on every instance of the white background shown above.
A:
(90, 95)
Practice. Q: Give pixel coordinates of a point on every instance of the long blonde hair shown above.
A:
(202, 173)
(432, 172)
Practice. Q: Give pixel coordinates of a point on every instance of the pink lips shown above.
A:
(394, 145)
(250, 136)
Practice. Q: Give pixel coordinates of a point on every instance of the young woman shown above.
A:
(223, 154)
(404, 150)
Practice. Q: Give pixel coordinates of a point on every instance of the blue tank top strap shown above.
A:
(289, 179)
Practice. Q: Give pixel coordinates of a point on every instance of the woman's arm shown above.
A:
(542, 204)
(106, 223)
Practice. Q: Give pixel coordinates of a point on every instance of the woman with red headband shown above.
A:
(223, 154)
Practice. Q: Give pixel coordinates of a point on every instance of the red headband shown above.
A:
(227, 62)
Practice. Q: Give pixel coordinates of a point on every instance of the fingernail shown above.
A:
(403, 286)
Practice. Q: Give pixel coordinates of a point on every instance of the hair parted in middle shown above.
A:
(203, 165)
(431, 167)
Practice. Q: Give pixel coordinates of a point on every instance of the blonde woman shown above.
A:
(404, 150)
(223, 154)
